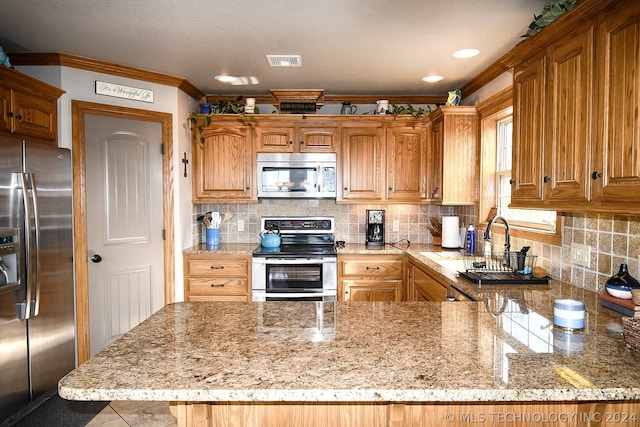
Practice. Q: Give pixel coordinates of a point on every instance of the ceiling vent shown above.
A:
(298, 101)
(284, 60)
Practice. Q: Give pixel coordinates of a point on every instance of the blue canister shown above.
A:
(568, 314)
(470, 245)
(213, 237)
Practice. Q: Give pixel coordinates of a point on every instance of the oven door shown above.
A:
(301, 279)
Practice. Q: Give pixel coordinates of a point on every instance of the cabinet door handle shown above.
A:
(373, 268)
(290, 142)
(215, 267)
(10, 114)
(301, 142)
(221, 285)
(511, 181)
(595, 175)
(546, 179)
(19, 117)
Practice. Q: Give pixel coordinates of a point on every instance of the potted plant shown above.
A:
(221, 107)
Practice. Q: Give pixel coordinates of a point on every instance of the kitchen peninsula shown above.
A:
(374, 364)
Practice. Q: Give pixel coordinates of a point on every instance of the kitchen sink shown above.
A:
(455, 262)
(452, 261)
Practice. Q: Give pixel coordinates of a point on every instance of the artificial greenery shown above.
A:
(221, 107)
(399, 110)
(551, 11)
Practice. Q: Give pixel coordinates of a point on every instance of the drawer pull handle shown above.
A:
(373, 268)
(215, 267)
(213, 285)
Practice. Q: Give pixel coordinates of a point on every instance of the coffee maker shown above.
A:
(375, 228)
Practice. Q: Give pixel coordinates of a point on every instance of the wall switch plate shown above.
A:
(581, 254)
(240, 225)
(396, 225)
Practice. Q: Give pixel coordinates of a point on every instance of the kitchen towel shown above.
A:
(450, 232)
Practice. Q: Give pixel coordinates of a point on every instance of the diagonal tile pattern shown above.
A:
(134, 413)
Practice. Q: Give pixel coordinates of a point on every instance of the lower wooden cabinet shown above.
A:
(217, 277)
(422, 286)
(377, 277)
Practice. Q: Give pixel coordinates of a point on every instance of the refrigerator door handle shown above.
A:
(32, 225)
(35, 302)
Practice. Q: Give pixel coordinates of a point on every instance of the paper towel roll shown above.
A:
(450, 232)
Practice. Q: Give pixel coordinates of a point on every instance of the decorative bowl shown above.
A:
(618, 291)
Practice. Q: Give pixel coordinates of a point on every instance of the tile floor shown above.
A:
(134, 413)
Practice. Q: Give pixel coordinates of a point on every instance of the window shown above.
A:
(530, 218)
(496, 118)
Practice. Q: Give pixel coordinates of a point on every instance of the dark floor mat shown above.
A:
(56, 411)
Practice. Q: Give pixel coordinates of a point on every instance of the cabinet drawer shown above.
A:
(214, 286)
(386, 268)
(217, 268)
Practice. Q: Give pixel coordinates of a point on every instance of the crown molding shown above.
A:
(89, 64)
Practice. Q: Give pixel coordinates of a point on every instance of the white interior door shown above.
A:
(124, 225)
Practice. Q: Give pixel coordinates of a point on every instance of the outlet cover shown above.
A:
(240, 225)
(581, 254)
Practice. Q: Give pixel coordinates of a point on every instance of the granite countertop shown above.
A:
(503, 348)
(223, 248)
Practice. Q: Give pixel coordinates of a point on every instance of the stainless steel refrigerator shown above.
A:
(37, 315)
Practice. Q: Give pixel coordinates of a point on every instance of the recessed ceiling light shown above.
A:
(432, 79)
(225, 79)
(466, 53)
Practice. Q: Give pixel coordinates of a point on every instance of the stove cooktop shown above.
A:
(297, 250)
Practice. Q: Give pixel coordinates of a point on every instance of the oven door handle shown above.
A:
(297, 260)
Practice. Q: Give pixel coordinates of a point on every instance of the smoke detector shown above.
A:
(284, 60)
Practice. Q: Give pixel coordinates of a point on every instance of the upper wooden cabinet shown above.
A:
(297, 136)
(576, 128)
(363, 161)
(380, 158)
(398, 160)
(28, 106)
(223, 168)
(453, 151)
(407, 166)
(616, 159)
(552, 123)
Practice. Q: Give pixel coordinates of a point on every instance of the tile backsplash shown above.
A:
(350, 219)
(614, 239)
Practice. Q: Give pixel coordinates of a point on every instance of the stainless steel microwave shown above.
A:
(296, 175)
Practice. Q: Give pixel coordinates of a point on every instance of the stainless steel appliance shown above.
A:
(37, 322)
(303, 267)
(296, 175)
(375, 228)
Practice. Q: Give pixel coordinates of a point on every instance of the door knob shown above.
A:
(96, 258)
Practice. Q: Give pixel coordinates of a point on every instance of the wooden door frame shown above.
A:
(79, 109)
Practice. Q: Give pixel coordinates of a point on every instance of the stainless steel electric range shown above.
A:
(303, 267)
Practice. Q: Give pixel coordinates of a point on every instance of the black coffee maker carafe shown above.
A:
(375, 228)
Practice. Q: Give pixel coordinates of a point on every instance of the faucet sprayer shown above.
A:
(507, 244)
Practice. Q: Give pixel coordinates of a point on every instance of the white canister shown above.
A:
(568, 313)
(450, 232)
(382, 106)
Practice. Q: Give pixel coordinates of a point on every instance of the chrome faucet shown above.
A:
(507, 243)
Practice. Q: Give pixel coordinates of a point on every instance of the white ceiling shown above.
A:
(347, 46)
